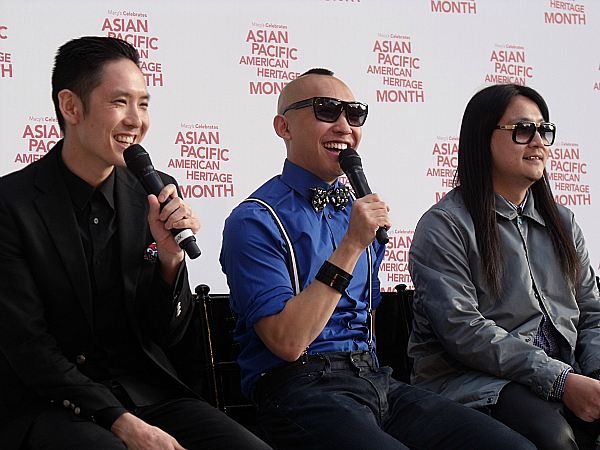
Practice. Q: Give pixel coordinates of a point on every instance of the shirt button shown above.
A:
(98, 262)
(96, 220)
(80, 359)
(329, 215)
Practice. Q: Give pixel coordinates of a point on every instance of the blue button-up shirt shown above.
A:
(253, 257)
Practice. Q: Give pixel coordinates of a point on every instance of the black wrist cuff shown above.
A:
(334, 277)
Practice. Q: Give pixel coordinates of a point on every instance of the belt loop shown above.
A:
(371, 359)
(374, 362)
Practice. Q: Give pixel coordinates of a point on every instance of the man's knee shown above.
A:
(55, 428)
(552, 435)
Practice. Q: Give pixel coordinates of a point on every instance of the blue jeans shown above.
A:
(343, 400)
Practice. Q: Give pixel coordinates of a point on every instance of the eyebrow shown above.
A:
(123, 93)
(521, 119)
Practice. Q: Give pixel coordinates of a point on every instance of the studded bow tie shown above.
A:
(338, 196)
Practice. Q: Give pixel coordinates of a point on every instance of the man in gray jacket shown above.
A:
(507, 311)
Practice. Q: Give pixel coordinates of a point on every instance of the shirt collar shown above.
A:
(108, 189)
(301, 180)
(81, 191)
(519, 208)
(508, 209)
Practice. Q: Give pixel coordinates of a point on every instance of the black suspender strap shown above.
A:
(292, 260)
(292, 263)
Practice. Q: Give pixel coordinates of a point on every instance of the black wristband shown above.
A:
(334, 277)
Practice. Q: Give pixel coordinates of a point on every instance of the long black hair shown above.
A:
(474, 179)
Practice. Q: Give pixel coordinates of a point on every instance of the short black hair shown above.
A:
(318, 71)
(79, 63)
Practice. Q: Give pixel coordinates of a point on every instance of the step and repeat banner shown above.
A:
(214, 69)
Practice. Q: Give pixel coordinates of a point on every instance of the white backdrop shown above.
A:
(214, 69)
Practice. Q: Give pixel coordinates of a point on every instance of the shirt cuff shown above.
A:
(558, 388)
(174, 291)
(107, 416)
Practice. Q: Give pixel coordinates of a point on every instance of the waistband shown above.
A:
(313, 363)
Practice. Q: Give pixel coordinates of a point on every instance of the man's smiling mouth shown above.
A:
(335, 146)
(125, 139)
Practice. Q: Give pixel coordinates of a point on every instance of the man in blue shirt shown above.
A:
(307, 358)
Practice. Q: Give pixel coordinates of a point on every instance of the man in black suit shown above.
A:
(93, 287)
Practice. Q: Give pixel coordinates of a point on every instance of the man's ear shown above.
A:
(281, 125)
(70, 106)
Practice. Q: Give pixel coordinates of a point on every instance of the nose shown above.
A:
(537, 140)
(133, 117)
(341, 125)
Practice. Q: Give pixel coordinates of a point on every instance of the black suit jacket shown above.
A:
(45, 295)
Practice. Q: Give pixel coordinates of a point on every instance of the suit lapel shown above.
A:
(56, 210)
(132, 213)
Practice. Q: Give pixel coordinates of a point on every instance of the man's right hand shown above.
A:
(138, 435)
(582, 396)
(368, 214)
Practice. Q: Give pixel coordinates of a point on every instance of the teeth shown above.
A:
(336, 146)
(125, 139)
(533, 157)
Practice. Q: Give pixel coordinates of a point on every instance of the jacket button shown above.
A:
(80, 359)
(66, 403)
(77, 410)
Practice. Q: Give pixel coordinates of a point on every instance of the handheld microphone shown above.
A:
(138, 161)
(352, 166)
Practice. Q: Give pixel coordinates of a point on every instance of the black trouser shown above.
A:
(548, 424)
(194, 423)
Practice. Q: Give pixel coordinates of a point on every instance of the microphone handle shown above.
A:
(356, 175)
(153, 184)
(382, 236)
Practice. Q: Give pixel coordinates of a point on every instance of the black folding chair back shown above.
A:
(393, 324)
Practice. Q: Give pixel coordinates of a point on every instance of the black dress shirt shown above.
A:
(117, 359)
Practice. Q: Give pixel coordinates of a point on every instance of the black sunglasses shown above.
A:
(329, 109)
(524, 131)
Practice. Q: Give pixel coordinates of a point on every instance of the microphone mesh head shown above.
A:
(136, 158)
(349, 158)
